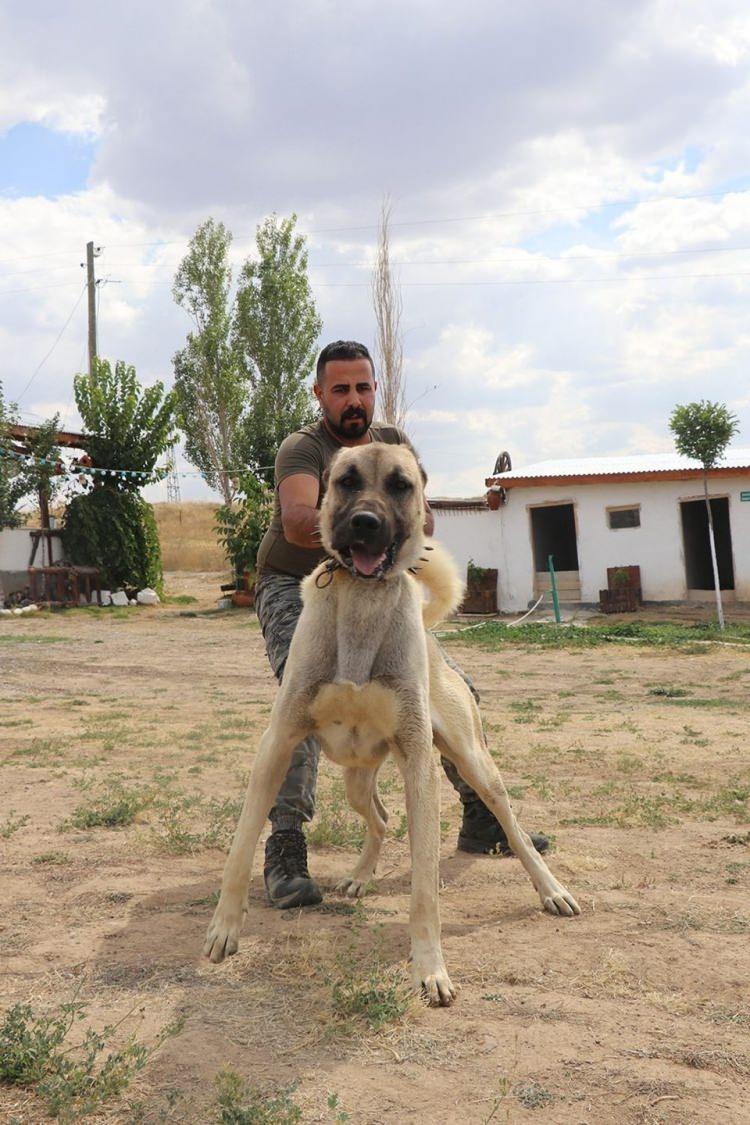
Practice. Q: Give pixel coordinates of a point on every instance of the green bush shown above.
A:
(116, 532)
(241, 526)
(127, 428)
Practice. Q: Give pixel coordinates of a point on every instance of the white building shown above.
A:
(595, 513)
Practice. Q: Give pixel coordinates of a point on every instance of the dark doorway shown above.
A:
(700, 575)
(553, 530)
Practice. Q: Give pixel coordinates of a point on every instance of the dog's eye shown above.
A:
(350, 483)
(399, 484)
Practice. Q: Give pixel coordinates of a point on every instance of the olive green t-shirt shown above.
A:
(308, 451)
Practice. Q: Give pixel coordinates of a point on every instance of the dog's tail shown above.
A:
(439, 574)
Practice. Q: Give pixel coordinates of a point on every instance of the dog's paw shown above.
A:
(223, 935)
(431, 980)
(556, 900)
(352, 887)
(433, 983)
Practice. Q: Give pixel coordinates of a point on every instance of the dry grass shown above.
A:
(188, 539)
(186, 532)
(636, 1011)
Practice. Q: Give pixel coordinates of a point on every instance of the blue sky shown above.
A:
(597, 157)
(36, 160)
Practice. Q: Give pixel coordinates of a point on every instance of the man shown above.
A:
(345, 389)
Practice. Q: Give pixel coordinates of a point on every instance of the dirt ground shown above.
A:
(634, 759)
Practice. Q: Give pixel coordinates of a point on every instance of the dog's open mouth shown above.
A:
(367, 564)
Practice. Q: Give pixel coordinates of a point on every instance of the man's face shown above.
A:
(347, 396)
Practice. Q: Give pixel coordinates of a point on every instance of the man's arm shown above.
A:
(298, 496)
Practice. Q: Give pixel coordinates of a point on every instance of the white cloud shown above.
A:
(541, 122)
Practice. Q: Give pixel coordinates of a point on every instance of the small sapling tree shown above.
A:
(703, 430)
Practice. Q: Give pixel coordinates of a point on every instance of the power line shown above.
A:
(563, 208)
(592, 206)
(504, 281)
(544, 280)
(543, 258)
(57, 341)
(39, 269)
(38, 288)
(593, 257)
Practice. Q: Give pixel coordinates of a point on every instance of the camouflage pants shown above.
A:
(278, 605)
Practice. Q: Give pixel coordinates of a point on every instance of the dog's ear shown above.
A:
(325, 479)
(424, 474)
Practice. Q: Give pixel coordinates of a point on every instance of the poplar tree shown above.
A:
(275, 335)
(212, 393)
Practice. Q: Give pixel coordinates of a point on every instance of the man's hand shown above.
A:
(298, 496)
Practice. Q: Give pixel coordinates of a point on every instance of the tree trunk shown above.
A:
(714, 563)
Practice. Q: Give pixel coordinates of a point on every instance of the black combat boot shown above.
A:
(481, 833)
(288, 882)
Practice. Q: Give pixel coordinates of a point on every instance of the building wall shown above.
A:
(469, 536)
(656, 546)
(15, 550)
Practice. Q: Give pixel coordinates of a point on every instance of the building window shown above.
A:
(623, 517)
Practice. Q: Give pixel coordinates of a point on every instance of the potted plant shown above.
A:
(481, 589)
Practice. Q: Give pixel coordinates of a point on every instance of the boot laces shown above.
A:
(290, 850)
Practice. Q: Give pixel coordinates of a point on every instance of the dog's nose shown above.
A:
(366, 523)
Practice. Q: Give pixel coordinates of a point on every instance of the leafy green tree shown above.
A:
(13, 484)
(42, 476)
(241, 526)
(126, 427)
(209, 383)
(703, 430)
(275, 333)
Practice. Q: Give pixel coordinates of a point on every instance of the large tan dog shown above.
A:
(365, 677)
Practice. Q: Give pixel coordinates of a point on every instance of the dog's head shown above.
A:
(373, 514)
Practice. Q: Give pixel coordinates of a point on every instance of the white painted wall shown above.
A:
(15, 549)
(503, 538)
(469, 536)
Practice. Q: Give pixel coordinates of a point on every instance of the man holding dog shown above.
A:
(345, 388)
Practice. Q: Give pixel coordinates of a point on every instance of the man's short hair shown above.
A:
(341, 349)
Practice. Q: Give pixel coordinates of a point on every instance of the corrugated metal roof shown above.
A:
(611, 466)
(458, 503)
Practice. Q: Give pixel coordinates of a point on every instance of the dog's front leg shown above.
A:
(271, 764)
(422, 784)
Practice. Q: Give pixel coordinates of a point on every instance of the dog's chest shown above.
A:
(355, 722)
(366, 615)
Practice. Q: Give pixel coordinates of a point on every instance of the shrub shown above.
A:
(127, 428)
(241, 526)
(116, 532)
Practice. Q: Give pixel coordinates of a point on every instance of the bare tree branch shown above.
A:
(389, 355)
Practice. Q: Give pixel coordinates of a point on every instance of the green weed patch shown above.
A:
(492, 635)
(74, 1079)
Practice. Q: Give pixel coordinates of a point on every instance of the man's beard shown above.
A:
(353, 424)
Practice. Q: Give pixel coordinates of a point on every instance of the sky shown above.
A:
(570, 188)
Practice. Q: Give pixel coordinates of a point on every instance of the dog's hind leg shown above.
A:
(362, 792)
(271, 764)
(457, 730)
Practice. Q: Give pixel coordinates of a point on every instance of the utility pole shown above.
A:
(91, 253)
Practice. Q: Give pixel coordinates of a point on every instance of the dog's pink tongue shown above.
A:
(366, 563)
